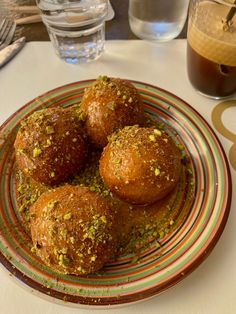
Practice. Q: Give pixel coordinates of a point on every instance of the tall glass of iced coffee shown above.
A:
(211, 48)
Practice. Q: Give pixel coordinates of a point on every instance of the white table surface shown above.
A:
(211, 288)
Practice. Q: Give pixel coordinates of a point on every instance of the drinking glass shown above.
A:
(211, 47)
(159, 20)
(76, 27)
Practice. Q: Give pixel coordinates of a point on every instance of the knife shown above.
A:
(10, 51)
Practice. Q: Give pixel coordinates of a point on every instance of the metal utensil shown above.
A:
(7, 30)
(10, 51)
(29, 19)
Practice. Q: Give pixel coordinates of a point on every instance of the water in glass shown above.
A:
(160, 20)
(76, 27)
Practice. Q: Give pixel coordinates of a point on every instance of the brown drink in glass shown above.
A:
(211, 49)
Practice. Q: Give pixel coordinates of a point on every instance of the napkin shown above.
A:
(10, 51)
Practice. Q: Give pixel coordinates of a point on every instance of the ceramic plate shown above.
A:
(123, 282)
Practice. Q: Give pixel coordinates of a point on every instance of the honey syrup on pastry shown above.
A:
(138, 226)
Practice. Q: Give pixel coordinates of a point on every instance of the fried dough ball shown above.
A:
(140, 165)
(110, 104)
(50, 146)
(73, 230)
(28, 191)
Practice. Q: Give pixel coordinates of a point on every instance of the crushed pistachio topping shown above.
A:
(21, 151)
(72, 240)
(52, 174)
(134, 259)
(189, 171)
(49, 129)
(33, 249)
(113, 137)
(81, 269)
(104, 78)
(93, 258)
(157, 171)
(20, 189)
(51, 204)
(67, 216)
(36, 152)
(64, 260)
(80, 254)
(154, 233)
(95, 229)
(117, 161)
(113, 107)
(103, 219)
(91, 177)
(64, 250)
(157, 132)
(48, 142)
(63, 234)
(152, 138)
(82, 116)
(180, 146)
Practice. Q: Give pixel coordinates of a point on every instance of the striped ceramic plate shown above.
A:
(124, 282)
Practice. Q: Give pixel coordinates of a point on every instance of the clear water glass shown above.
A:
(76, 27)
(159, 20)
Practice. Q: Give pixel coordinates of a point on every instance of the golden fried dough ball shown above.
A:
(110, 104)
(73, 230)
(28, 191)
(50, 146)
(140, 165)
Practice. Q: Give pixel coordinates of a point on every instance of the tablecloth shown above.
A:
(36, 69)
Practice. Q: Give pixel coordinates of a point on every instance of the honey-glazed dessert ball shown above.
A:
(110, 104)
(28, 191)
(50, 146)
(73, 230)
(140, 165)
